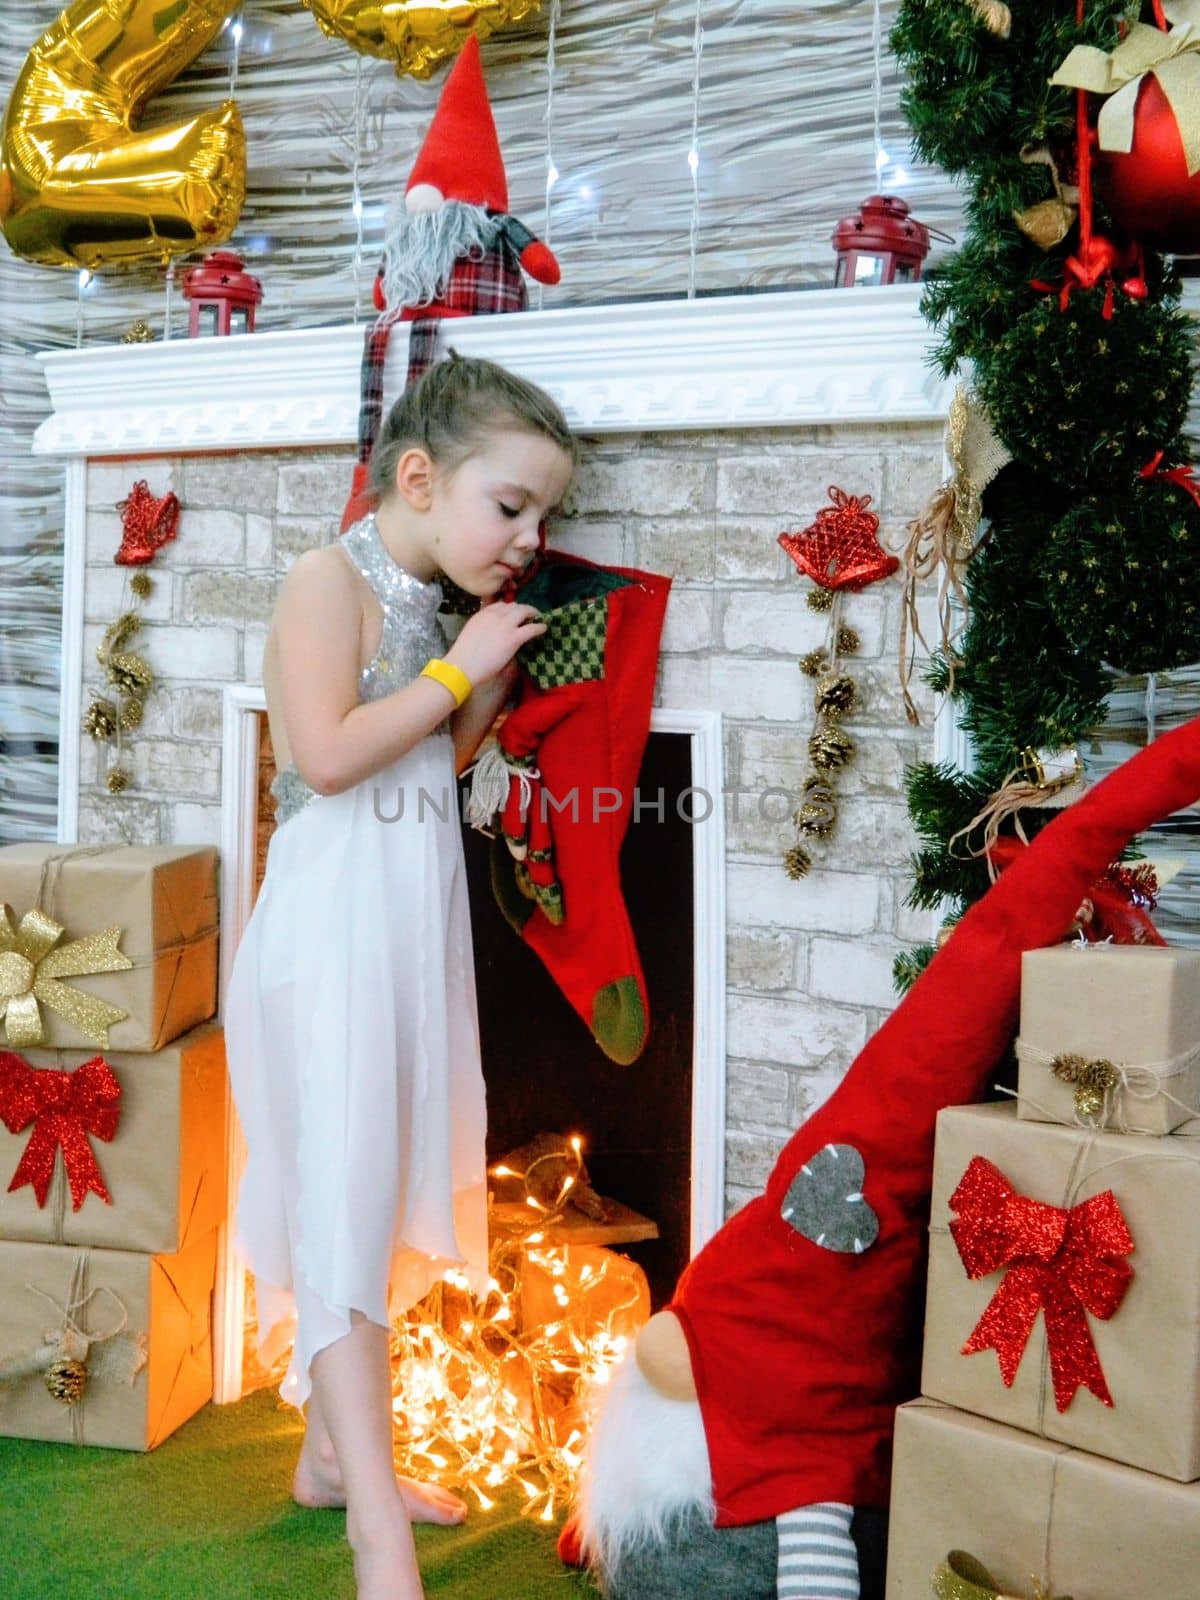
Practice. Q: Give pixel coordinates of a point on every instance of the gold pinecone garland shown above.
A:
(132, 710)
(141, 584)
(66, 1380)
(847, 641)
(820, 599)
(101, 719)
(131, 673)
(836, 695)
(817, 813)
(117, 780)
(829, 748)
(797, 862)
(812, 664)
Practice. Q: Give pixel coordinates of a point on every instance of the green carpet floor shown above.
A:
(209, 1516)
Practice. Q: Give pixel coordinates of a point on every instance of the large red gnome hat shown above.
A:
(803, 1314)
(461, 154)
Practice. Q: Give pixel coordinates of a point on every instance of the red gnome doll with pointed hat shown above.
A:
(744, 1450)
(452, 249)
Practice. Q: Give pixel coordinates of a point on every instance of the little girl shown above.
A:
(350, 1019)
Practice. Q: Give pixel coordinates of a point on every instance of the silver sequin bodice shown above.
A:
(412, 633)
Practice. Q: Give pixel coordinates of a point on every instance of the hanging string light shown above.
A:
(693, 156)
(356, 201)
(548, 118)
(236, 34)
(83, 282)
(881, 156)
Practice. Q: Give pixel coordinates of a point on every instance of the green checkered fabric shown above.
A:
(572, 648)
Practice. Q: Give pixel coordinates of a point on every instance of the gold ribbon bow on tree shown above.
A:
(961, 1577)
(31, 964)
(1172, 57)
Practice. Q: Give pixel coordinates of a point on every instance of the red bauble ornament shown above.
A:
(840, 550)
(1148, 192)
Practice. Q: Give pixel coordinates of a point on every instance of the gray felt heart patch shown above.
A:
(825, 1201)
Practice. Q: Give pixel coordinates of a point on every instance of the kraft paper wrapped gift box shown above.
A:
(1134, 1006)
(163, 898)
(1148, 1350)
(1029, 1508)
(164, 1166)
(162, 1303)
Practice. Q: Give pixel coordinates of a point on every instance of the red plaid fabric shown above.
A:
(483, 287)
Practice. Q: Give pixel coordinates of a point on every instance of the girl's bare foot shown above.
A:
(318, 1483)
(429, 1502)
(318, 1480)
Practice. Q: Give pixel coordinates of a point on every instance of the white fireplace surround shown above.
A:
(790, 359)
(772, 360)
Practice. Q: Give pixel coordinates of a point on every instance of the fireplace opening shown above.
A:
(543, 1070)
(563, 1304)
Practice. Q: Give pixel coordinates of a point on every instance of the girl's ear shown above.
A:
(414, 478)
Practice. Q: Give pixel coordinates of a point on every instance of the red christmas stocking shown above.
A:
(573, 749)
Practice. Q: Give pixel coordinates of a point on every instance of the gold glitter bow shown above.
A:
(1172, 57)
(961, 1577)
(30, 969)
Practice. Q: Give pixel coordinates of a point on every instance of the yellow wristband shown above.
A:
(449, 676)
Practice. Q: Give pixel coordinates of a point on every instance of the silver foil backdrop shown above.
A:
(786, 146)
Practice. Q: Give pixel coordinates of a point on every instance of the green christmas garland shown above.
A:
(1087, 562)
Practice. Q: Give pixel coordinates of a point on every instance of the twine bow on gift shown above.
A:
(1173, 59)
(961, 1577)
(31, 963)
(1062, 1262)
(64, 1107)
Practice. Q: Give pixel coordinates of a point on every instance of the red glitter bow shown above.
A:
(1116, 907)
(146, 524)
(840, 550)
(1063, 1263)
(64, 1108)
(1183, 477)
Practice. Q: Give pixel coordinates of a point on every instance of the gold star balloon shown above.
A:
(416, 36)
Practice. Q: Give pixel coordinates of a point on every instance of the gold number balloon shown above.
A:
(415, 34)
(80, 185)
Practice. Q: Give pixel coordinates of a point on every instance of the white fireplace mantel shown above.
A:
(796, 358)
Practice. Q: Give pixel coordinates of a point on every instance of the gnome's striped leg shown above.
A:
(817, 1556)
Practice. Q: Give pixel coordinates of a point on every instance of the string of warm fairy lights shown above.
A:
(486, 1395)
(483, 1396)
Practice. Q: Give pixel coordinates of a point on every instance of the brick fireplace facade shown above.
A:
(808, 963)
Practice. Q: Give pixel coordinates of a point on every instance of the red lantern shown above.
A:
(222, 295)
(1148, 192)
(882, 244)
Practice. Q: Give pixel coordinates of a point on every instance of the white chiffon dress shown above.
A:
(352, 1032)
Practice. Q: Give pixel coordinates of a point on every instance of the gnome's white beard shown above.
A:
(420, 249)
(647, 1465)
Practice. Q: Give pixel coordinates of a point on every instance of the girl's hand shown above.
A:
(491, 638)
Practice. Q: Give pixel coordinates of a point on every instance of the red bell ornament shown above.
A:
(882, 244)
(222, 296)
